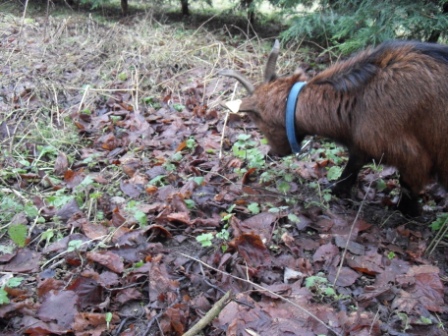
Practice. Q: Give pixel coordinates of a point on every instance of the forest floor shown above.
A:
(131, 202)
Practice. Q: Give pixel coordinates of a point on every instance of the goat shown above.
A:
(388, 104)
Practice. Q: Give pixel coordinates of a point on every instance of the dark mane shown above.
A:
(439, 52)
(358, 70)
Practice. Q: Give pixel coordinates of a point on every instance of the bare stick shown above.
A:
(211, 314)
(344, 253)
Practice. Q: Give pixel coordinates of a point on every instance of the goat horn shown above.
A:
(243, 80)
(269, 73)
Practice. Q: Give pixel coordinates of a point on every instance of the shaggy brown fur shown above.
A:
(388, 104)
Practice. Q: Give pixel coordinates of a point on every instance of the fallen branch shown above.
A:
(211, 314)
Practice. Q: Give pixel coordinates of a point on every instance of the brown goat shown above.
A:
(388, 104)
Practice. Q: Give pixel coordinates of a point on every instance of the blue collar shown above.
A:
(291, 114)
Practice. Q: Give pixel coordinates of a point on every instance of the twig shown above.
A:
(86, 89)
(156, 317)
(350, 235)
(22, 24)
(211, 314)
(136, 90)
(437, 239)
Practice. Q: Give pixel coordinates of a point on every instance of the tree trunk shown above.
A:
(124, 6)
(185, 9)
(247, 4)
(435, 34)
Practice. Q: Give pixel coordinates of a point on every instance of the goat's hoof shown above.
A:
(409, 208)
(341, 190)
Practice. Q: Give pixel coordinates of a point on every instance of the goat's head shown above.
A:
(266, 103)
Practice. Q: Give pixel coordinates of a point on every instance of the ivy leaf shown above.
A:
(141, 217)
(283, 187)
(190, 203)
(293, 218)
(205, 239)
(178, 107)
(74, 245)
(198, 179)
(31, 210)
(3, 297)
(14, 282)
(18, 233)
(254, 208)
(381, 185)
(334, 173)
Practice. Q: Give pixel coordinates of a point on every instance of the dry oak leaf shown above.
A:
(59, 307)
(108, 259)
(252, 249)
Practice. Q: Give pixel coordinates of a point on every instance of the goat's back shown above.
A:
(393, 103)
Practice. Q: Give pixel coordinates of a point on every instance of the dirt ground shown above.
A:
(131, 202)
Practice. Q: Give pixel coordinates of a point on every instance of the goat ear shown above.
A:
(240, 107)
(233, 105)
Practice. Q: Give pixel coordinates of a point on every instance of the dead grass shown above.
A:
(49, 63)
(55, 66)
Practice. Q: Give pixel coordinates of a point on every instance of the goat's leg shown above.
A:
(413, 178)
(349, 175)
(408, 204)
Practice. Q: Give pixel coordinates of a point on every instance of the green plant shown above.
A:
(199, 180)
(440, 222)
(254, 208)
(59, 198)
(158, 181)
(268, 176)
(324, 194)
(74, 245)
(139, 216)
(95, 3)
(293, 218)
(190, 203)
(405, 320)
(47, 236)
(425, 320)
(7, 249)
(245, 148)
(50, 151)
(381, 185)
(322, 287)
(334, 173)
(191, 143)
(122, 76)
(349, 25)
(151, 101)
(178, 107)
(18, 234)
(391, 255)
(278, 209)
(9, 206)
(11, 283)
(283, 186)
(224, 235)
(205, 239)
(108, 317)
(333, 152)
